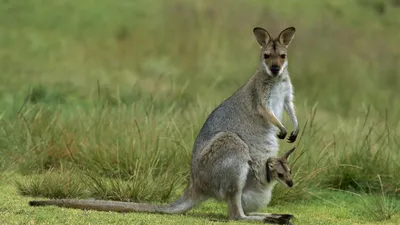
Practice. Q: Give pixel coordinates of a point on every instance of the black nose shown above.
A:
(289, 183)
(274, 69)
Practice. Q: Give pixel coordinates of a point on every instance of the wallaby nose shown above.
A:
(274, 69)
(289, 183)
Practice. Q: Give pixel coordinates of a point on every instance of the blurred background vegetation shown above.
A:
(105, 98)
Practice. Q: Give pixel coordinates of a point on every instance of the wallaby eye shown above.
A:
(280, 175)
(283, 56)
(266, 56)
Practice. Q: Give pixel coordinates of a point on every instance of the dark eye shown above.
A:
(283, 56)
(266, 56)
(280, 175)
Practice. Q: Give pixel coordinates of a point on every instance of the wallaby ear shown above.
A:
(287, 154)
(286, 36)
(269, 168)
(262, 36)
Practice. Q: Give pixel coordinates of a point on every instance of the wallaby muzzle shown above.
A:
(275, 69)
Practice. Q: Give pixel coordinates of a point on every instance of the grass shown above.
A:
(331, 207)
(382, 206)
(108, 105)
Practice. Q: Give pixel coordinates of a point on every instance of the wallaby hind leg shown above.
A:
(225, 166)
(235, 212)
(234, 198)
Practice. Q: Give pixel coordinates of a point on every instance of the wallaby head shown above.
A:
(278, 169)
(273, 55)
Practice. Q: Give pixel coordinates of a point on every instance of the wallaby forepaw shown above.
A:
(282, 134)
(279, 219)
(292, 137)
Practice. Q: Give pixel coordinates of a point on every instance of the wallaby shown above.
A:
(235, 143)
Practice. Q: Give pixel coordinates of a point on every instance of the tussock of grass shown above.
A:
(135, 189)
(379, 206)
(372, 152)
(53, 184)
(147, 160)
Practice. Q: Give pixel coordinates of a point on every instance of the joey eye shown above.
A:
(266, 56)
(283, 56)
(280, 175)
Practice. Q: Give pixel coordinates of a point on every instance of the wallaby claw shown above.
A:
(282, 134)
(292, 137)
(279, 219)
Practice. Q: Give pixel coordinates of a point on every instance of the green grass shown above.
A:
(330, 207)
(105, 99)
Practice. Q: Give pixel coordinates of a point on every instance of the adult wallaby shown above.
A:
(235, 154)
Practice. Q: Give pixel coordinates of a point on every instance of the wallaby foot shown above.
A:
(278, 218)
(269, 218)
(274, 218)
(235, 212)
(270, 214)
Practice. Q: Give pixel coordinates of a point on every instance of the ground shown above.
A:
(332, 207)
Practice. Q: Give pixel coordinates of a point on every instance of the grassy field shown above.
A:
(327, 207)
(104, 99)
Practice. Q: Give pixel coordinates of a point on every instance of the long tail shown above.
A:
(182, 205)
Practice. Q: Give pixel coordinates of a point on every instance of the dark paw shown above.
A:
(279, 219)
(292, 138)
(286, 216)
(282, 135)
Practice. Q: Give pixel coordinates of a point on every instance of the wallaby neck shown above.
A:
(261, 83)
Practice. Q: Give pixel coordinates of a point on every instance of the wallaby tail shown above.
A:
(182, 205)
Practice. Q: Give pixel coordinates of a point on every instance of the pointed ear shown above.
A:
(286, 36)
(262, 36)
(268, 168)
(287, 154)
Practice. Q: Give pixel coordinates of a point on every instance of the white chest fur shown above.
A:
(276, 98)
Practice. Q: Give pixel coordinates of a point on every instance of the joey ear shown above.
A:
(287, 154)
(262, 36)
(268, 169)
(286, 36)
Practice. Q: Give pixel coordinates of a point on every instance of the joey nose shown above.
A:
(289, 183)
(274, 69)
